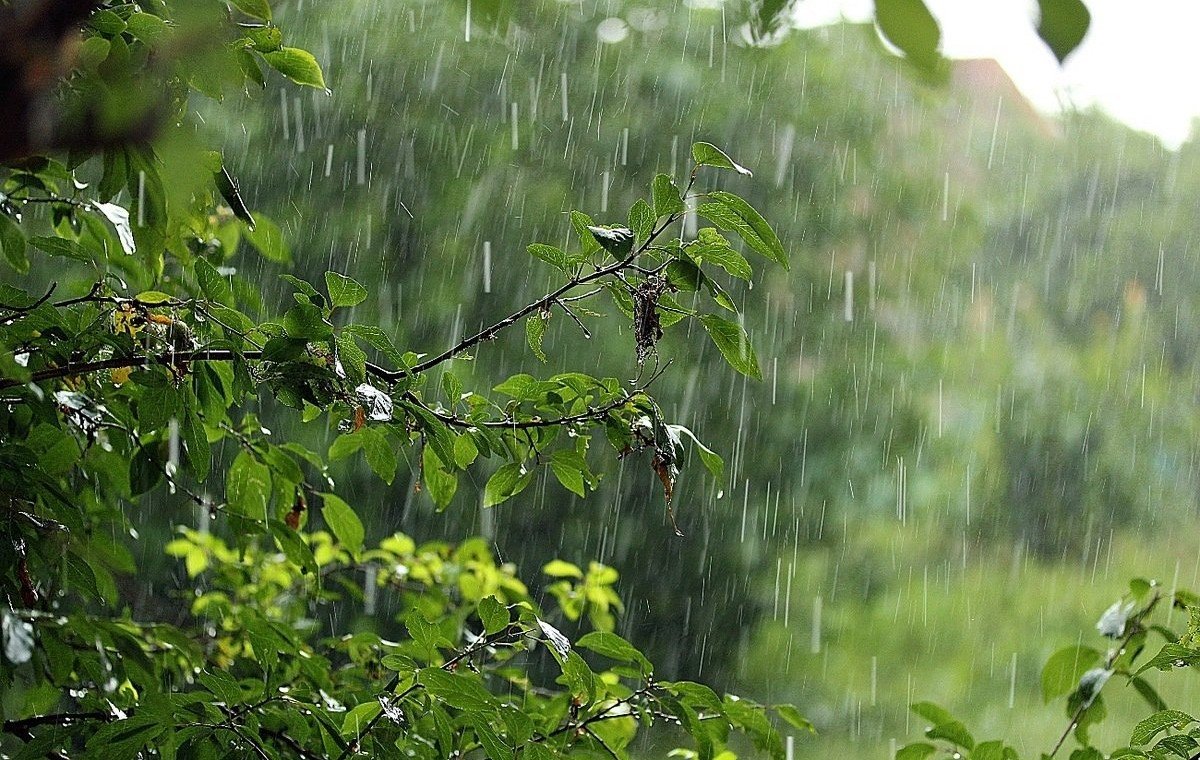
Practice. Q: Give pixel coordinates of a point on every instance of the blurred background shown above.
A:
(977, 419)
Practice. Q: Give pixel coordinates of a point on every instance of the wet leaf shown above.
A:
(616, 240)
(18, 638)
(118, 217)
(535, 332)
(344, 291)
(266, 238)
(666, 196)
(297, 65)
(1062, 671)
(558, 642)
(1150, 727)
(733, 343)
(707, 154)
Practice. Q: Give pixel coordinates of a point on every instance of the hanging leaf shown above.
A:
(535, 331)
(733, 343)
(118, 217)
(1062, 25)
(342, 522)
(910, 26)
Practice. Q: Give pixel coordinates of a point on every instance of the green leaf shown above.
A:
(641, 220)
(344, 291)
(616, 240)
(306, 321)
(566, 468)
(92, 53)
(1062, 671)
(578, 677)
(729, 212)
(1148, 693)
(214, 286)
(993, 750)
(1171, 656)
(439, 480)
(69, 249)
(733, 343)
(952, 731)
(712, 248)
(614, 647)
(223, 686)
(707, 154)
(555, 257)
(356, 720)
(915, 751)
(12, 244)
(459, 690)
(377, 339)
(557, 568)
(354, 361)
(910, 26)
(342, 522)
(587, 242)
(379, 453)
(196, 441)
(535, 331)
(107, 21)
(933, 713)
(711, 459)
(294, 548)
(1062, 25)
(147, 27)
(666, 196)
(265, 38)
(297, 65)
(248, 486)
(492, 614)
(256, 8)
(506, 482)
(790, 714)
(267, 239)
(152, 297)
(1150, 727)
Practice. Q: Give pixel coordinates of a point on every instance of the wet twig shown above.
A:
(1134, 624)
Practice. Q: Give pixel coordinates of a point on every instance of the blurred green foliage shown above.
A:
(976, 413)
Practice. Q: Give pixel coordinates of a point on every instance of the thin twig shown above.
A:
(589, 415)
(32, 306)
(490, 332)
(573, 316)
(53, 719)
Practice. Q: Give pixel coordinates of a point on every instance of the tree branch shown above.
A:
(22, 726)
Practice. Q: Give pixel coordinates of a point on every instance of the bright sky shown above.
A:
(1139, 61)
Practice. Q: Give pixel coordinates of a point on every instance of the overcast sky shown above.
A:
(1140, 61)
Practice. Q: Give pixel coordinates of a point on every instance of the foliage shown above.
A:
(150, 379)
(1080, 673)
